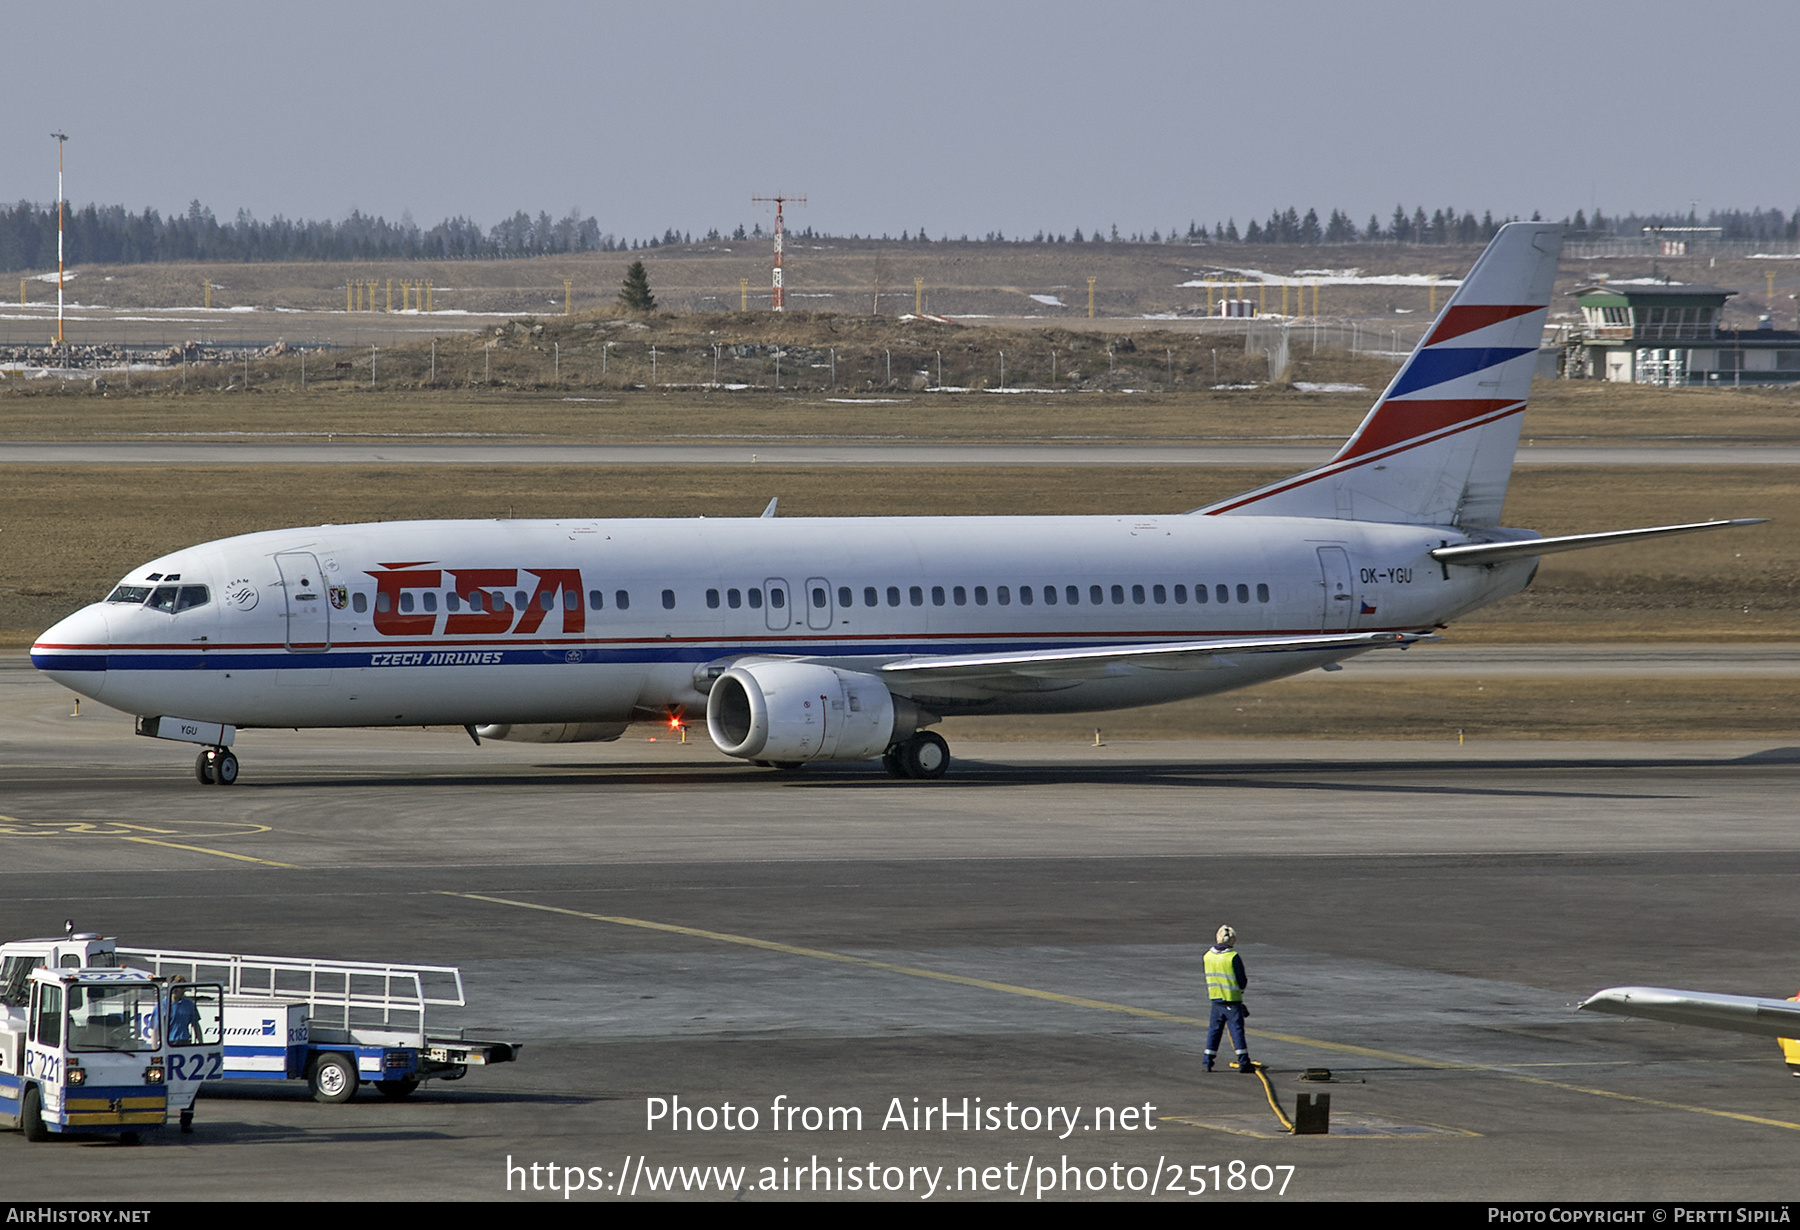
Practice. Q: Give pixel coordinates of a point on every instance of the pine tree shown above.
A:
(634, 293)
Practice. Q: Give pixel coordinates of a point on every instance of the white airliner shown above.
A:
(844, 638)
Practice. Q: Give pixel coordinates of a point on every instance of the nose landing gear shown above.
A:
(216, 766)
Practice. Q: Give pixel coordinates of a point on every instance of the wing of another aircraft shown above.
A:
(1744, 1014)
(1047, 670)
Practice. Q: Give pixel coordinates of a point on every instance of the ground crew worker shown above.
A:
(1225, 983)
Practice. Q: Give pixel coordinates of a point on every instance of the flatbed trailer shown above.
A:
(335, 1024)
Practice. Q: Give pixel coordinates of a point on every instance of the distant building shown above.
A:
(1669, 334)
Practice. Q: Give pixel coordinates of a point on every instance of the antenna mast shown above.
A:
(61, 140)
(780, 300)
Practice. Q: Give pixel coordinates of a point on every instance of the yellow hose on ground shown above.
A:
(1269, 1091)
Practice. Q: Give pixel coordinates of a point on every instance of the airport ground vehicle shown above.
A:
(100, 1047)
(336, 1024)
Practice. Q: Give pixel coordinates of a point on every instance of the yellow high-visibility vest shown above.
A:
(1221, 979)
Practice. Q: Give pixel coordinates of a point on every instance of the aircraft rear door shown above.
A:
(308, 610)
(1339, 589)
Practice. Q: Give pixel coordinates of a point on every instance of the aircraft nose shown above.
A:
(74, 652)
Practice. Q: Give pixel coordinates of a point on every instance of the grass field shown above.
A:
(334, 403)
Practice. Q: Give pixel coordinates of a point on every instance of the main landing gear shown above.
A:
(216, 766)
(925, 756)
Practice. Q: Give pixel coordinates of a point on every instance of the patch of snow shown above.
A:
(1641, 282)
(1310, 386)
(1323, 278)
(1048, 300)
(1775, 256)
(870, 401)
(1015, 388)
(68, 276)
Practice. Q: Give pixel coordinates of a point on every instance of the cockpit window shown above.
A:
(192, 596)
(164, 598)
(134, 594)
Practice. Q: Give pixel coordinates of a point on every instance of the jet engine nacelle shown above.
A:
(555, 732)
(797, 711)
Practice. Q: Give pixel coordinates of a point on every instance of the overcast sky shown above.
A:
(960, 116)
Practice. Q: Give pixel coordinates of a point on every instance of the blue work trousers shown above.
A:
(1226, 1013)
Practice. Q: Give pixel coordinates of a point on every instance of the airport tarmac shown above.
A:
(654, 920)
(353, 450)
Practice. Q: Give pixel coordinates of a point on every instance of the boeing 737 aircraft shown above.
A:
(846, 638)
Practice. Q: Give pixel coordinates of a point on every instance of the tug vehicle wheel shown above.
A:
(31, 1115)
(333, 1079)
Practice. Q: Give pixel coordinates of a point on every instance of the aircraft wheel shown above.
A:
(333, 1079)
(397, 1089)
(894, 762)
(226, 769)
(203, 769)
(31, 1115)
(925, 755)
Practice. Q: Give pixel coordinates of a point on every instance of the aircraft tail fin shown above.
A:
(1437, 448)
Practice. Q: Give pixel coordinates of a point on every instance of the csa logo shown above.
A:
(241, 594)
(340, 597)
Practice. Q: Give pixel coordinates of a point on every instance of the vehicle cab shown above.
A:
(102, 1048)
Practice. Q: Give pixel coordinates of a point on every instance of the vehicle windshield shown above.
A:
(15, 980)
(112, 1017)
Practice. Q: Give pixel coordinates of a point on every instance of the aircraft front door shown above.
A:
(818, 604)
(1338, 585)
(308, 609)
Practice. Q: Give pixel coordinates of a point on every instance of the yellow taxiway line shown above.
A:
(1102, 1005)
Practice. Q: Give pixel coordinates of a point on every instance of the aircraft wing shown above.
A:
(1744, 1014)
(1050, 669)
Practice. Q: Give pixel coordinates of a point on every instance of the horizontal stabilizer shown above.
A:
(1744, 1014)
(1500, 552)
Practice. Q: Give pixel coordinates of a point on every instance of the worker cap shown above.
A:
(1226, 935)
